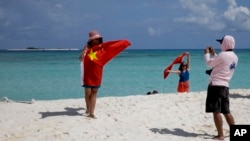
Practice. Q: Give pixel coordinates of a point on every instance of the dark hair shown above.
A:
(182, 64)
(99, 39)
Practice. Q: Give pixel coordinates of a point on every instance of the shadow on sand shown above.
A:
(68, 112)
(235, 95)
(179, 132)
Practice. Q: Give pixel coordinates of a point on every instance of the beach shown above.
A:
(159, 117)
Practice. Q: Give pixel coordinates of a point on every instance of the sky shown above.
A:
(147, 24)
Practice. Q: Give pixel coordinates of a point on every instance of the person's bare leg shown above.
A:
(219, 126)
(93, 101)
(230, 119)
(87, 99)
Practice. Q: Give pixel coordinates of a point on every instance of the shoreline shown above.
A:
(32, 100)
(175, 117)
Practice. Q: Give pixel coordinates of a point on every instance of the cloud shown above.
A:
(205, 14)
(59, 6)
(237, 15)
(154, 31)
(200, 12)
(32, 20)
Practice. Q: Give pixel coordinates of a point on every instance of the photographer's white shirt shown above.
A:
(223, 66)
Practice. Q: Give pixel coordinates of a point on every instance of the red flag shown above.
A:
(177, 60)
(97, 57)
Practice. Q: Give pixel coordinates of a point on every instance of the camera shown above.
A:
(210, 49)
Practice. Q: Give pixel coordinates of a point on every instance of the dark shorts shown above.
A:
(217, 99)
(87, 86)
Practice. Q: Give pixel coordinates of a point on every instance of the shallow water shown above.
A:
(47, 75)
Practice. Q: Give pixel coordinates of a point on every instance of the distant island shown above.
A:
(45, 49)
(32, 48)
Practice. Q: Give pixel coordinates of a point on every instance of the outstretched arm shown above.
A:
(174, 71)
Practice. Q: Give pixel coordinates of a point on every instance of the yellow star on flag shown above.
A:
(92, 55)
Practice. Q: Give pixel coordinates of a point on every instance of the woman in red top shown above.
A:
(90, 91)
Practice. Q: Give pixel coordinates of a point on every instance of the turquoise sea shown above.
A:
(51, 75)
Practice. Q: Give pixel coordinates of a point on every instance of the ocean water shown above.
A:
(51, 75)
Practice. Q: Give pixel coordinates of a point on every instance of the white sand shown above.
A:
(157, 117)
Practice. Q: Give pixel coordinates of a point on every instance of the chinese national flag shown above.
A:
(177, 60)
(97, 57)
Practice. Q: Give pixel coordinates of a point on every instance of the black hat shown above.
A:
(220, 40)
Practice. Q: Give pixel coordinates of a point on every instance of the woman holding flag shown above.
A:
(96, 55)
(90, 91)
(183, 72)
